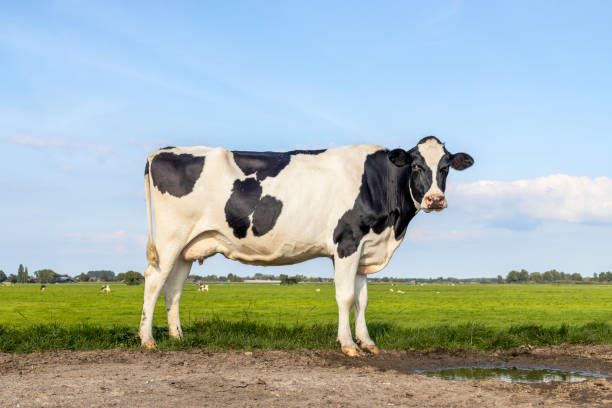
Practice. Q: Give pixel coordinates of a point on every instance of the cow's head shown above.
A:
(429, 163)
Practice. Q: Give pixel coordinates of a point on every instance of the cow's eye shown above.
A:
(416, 167)
(444, 169)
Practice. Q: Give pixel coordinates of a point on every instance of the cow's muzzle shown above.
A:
(435, 202)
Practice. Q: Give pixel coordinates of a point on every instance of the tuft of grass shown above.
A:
(219, 334)
(56, 336)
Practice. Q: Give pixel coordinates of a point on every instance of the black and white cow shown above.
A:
(350, 204)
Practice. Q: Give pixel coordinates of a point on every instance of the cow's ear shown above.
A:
(461, 161)
(399, 157)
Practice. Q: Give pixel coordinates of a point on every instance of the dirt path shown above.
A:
(136, 378)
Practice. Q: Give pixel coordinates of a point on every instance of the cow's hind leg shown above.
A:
(172, 295)
(345, 270)
(155, 278)
(361, 303)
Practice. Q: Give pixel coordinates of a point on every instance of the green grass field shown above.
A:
(259, 315)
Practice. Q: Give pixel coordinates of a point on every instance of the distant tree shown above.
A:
(133, 278)
(103, 275)
(261, 276)
(556, 275)
(536, 277)
(605, 277)
(500, 279)
(12, 278)
(46, 276)
(513, 277)
(234, 278)
(2, 276)
(523, 276)
(22, 274)
(576, 277)
(83, 277)
(120, 277)
(289, 281)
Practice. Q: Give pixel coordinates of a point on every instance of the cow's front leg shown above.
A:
(172, 295)
(155, 278)
(345, 270)
(361, 303)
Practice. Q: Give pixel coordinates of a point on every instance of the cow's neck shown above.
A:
(383, 202)
(396, 198)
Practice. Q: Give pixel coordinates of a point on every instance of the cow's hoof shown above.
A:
(351, 351)
(371, 348)
(149, 345)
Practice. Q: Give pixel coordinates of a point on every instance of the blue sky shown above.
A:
(89, 89)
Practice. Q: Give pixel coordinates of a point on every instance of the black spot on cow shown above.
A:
(241, 204)
(176, 174)
(168, 148)
(246, 200)
(421, 176)
(147, 168)
(265, 215)
(383, 201)
(311, 152)
(266, 164)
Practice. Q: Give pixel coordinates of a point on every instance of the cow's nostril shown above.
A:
(435, 201)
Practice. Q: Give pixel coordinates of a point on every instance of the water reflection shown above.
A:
(511, 374)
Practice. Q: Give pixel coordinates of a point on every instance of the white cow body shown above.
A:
(350, 204)
(200, 220)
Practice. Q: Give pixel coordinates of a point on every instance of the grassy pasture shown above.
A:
(260, 315)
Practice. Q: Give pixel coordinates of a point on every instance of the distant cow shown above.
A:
(351, 204)
(42, 288)
(203, 288)
(105, 289)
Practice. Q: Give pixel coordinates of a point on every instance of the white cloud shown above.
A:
(39, 142)
(423, 234)
(556, 197)
(61, 143)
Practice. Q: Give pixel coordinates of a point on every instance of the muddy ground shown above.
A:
(137, 378)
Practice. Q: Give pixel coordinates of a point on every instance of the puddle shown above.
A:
(511, 374)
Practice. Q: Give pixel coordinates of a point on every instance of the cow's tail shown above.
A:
(152, 256)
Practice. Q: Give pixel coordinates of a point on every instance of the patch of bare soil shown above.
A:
(308, 378)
